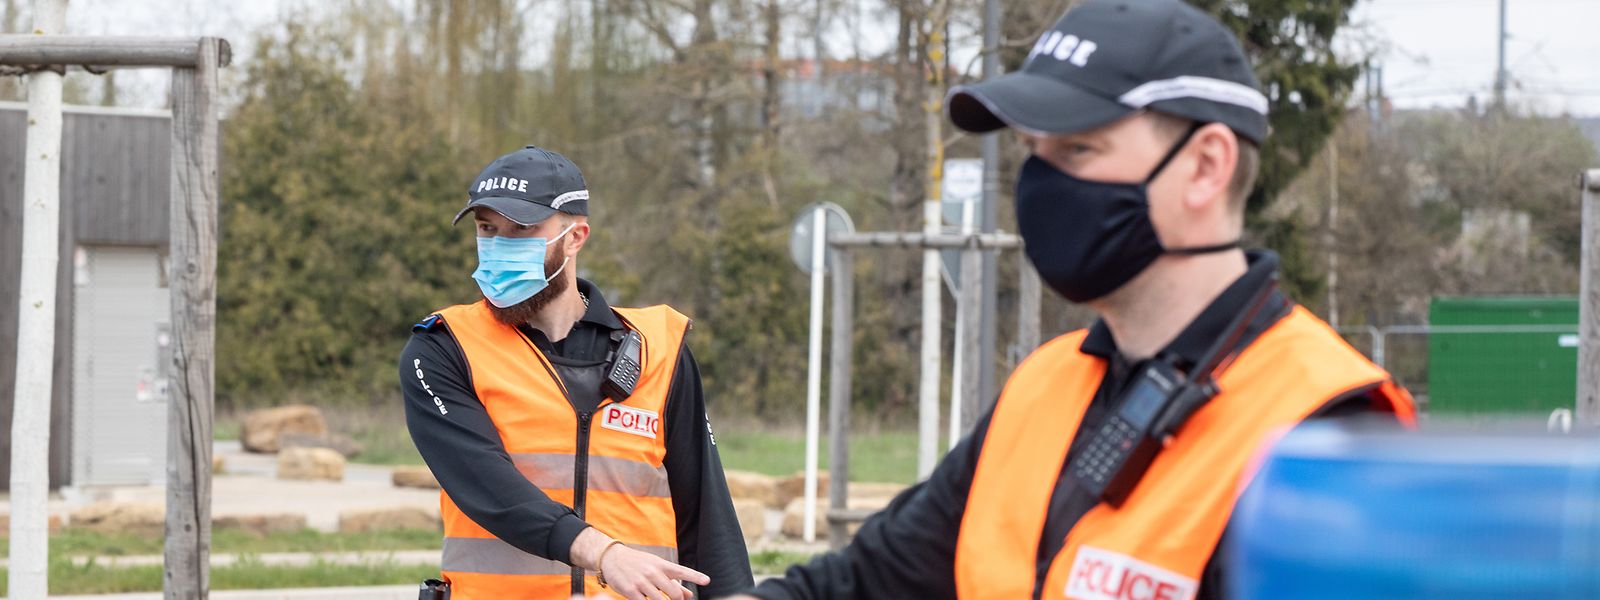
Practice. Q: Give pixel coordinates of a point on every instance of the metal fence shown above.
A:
(1477, 368)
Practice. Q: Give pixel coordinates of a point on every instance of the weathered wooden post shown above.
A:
(840, 355)
(1588, 407)
(970, 339)
(193, 266)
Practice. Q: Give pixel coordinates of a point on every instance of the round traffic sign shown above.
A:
(800, 234)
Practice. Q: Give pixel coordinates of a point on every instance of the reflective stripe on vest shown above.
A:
(1158, 543)
(491, 556)
(606, 474)
(626, 495)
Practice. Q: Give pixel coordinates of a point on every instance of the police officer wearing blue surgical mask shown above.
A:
(570, 437)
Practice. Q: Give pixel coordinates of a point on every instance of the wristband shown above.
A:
(599, 573)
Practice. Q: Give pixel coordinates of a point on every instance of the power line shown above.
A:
(1479, 3)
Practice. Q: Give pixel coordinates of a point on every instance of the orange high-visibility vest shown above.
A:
(626, 493)
(1157, 544)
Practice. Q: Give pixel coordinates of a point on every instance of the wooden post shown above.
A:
(193, 276)
(839, 359)
(36, 323)
(1027, 307)
(1588, 408)
(970, 338)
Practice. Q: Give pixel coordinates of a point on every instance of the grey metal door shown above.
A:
(119, 402)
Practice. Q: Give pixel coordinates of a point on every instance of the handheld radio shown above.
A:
(626, 365)
(433, 589)
(1153, 408)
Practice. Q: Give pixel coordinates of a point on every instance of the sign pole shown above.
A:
(819, 244)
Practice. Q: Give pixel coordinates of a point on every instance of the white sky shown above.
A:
(1434, 52)
(1437, 52)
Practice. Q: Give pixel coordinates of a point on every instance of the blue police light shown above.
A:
(1338, 512)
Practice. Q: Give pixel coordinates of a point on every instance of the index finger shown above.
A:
(677, 571)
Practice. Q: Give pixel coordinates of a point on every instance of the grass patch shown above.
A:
(225, 428)
(386, 446)
(887, 455)
(94, 578)
(775, 562)
(68, 542)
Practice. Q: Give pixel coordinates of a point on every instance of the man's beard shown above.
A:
(524, 311)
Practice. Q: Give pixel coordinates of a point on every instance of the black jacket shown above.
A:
(464, 451)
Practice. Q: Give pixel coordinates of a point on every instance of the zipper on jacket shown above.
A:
(580, 472)
(580, 486)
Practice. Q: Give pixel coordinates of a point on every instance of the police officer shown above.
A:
(570, 437)
(1143, 120)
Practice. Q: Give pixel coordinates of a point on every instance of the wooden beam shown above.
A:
(1588, 401)
(893, 239)
(108, 51)
(193, 266)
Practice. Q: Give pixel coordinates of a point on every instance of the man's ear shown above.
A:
(578, 236)
(1216, 151)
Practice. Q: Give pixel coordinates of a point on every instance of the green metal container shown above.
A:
(1502, 355)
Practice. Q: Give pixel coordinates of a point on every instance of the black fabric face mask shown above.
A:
(1088, 238)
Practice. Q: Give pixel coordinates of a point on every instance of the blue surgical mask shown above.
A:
(511, 270)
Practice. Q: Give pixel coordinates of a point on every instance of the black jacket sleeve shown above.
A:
(463, 449)
(908, 550)
(709, 538)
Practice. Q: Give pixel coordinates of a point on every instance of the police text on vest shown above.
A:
(1104, 575)
(628, 419)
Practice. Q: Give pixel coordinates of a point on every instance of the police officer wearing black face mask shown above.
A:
(1109, 466)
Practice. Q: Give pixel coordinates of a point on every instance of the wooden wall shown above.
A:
(115, 171)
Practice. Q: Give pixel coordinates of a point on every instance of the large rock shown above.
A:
(262, 430)
(310, 463)
(794, 486)
(53, 524)
(794, 516)
(362, 521)
(337, 442)
(121, 517)
(414, 477)
(261, 525)
(752, 518)
(744, 485)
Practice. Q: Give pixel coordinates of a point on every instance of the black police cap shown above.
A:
(1106, 59)
(528, 186)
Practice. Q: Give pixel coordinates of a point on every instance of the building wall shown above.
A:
(114, 191)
